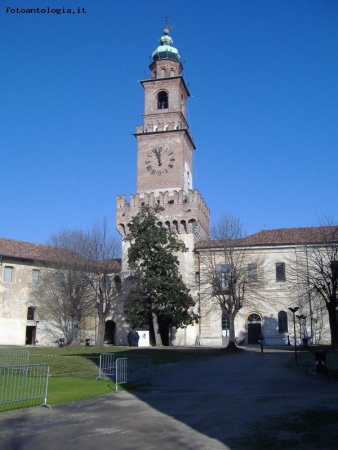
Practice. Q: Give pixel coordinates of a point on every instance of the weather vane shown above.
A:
(167, 25)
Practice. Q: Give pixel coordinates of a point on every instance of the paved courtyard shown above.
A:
(205, 405)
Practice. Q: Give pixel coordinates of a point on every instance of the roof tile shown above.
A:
(281, 236)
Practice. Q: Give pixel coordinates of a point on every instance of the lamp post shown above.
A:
(313, 329)
(300, 318)
(294, 310)
(36, 332)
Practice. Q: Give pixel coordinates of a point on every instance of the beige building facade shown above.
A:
(24, 268)
(277, 262)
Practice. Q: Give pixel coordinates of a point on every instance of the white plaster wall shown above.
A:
(12, 331)
(188, 336)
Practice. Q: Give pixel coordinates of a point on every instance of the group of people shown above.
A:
(133, 338)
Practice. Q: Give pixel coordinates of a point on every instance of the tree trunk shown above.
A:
(76, 329)
(232, 338)
(101, 327)
(156, 337)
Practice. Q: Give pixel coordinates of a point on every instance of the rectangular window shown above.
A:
(334, 269)
(197, 277)
(30, 313)
(252, 272)
(280, 271)
(223, 274)
(282, 322)
(107, 283)
(117, 283)
(8, 274)
(35, 276)
(59, 279)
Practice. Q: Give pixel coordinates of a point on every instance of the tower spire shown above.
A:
(166, 50)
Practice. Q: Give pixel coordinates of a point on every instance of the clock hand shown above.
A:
(158, 156)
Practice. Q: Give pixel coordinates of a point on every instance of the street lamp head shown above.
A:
(295, 309)
(301, 317)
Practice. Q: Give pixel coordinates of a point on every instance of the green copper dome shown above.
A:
(165, 50)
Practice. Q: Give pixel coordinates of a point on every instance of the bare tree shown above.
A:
(314, 273)
(103, 251)
(64, 297)
(227, 227)
(229, 273)
(83, 282)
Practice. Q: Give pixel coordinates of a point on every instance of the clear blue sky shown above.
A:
(264, 113)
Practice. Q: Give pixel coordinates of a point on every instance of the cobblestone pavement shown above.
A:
(203, 405)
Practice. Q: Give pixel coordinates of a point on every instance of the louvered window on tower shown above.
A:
(162, 100)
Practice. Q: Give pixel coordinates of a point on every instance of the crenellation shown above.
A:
(166, 124)
(121, 201)
(191, 210)
(151, 199)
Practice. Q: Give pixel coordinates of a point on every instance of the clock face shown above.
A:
(159, 161)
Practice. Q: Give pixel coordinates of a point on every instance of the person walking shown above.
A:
(136, 338)
(131, 339)
(261, 340)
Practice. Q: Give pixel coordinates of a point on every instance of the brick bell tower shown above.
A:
(165, 150)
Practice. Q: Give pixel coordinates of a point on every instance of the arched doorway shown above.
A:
(109, 333)
(254, 328)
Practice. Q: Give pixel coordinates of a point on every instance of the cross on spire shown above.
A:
(166, 17)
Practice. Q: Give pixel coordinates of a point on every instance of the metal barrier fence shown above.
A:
(24, 383)
(12, 357)
(107, 365)
(121, 372)
(124, 368)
